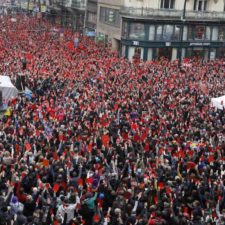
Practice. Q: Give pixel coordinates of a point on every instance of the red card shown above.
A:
(211, 158)
(89, 147)
(55, 188)
(168, 190)
(55, 222)
(100, 202)
(191, 165)
(127, 195)
(161, 185)
(89, 180)
(45, 162)
(28, 147)
(29, 56)
(80, 181)
(41, 185)
(105, 140)
(96, 218)
(61, 137)
(23, 175)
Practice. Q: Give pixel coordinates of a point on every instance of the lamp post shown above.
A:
(182, 32)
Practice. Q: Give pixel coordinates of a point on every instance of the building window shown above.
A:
(167, 4)
(176, 36)
(135, 53)
(123, 53)
(125, 29)
(159, 32)
(150, 54)
(137, 31)
(167, 32)
(91, 17)
(215, 33)
(199, 33)
(109, 16)
(196, 32)
(222, 33)
(185, 33)
(151, 32)
(200, 5)
(208, 33)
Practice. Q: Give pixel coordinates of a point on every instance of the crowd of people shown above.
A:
(104, 141)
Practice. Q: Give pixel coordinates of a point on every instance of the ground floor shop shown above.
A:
(172, 53)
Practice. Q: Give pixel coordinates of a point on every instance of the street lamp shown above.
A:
(182, 32)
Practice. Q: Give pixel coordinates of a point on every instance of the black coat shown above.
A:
(29, 208)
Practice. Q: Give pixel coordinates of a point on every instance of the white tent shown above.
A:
(219, 102)
(7, 88)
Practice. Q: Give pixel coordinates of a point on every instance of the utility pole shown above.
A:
(61, 13)
(183, 17)
(28, 5)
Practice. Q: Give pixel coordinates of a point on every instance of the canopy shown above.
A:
(7, 88)
(219, 102)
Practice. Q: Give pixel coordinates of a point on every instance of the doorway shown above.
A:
(164, 52)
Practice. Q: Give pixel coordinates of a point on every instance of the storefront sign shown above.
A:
(90, 34)
(168, 43)
(135, 43)
(199, 44)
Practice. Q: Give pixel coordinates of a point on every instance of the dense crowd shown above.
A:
(106, 141)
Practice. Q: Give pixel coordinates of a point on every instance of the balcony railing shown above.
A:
(171, 13)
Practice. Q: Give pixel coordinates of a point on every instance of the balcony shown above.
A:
(79, 4)
(150, 13)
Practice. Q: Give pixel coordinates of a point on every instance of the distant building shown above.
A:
(70, 13)
(150, 29)
(109, 22)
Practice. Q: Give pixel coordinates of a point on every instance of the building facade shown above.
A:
(172, 28)
(91, 17)
(109, 22)
(68, 13)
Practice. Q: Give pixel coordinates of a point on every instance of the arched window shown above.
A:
(200, 5)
